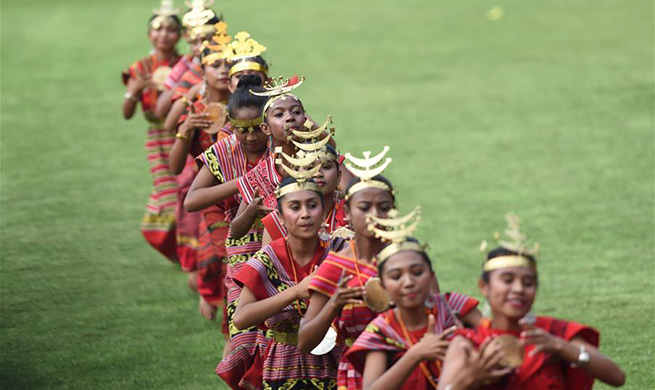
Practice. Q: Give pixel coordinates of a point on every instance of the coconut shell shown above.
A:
(510, 348)
(217, 115)
(160, 75)
(376, 297)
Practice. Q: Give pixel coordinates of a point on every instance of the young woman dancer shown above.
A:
(282, 112)
(403, 348)
(544, 353)
(338, 286)
(198, 23)
(274, 293)
(158, 223)
(198, 129)
(221, 166)
(327, 178)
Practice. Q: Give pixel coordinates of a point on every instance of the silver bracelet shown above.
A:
(583, 357)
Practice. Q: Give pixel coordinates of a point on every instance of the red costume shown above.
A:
(158, 223)
(388, 333)
(541, 371)
(352, 319)
(268, 272)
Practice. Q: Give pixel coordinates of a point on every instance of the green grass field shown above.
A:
(547, 112)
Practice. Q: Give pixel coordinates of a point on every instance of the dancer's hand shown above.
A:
(302, 288)
(344, 294)
(433, 346)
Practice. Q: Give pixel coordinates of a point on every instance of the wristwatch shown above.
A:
(583, 357)
(128, 95)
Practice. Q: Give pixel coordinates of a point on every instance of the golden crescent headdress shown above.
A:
(195, 20)
(307, 161)
(302, 167)
(198, 14)
(277, 88)
(366, 169)
(515, 241)
(217, 44)
(397, 230)
(241, 52)
(165, 15)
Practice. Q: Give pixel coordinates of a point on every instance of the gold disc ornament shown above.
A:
(160, 75)
(376, 297)
(218, 115)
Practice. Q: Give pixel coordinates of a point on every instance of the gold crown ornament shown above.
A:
(198, 14)
(514, 241)
(302, 167)
(165, 15)
(309, 134)
(217, 44)
(311, 141)
(310, 152)
(366, 169)
(241, 51)
(196, 18)
(277, 88)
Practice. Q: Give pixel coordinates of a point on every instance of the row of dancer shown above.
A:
(322, 282)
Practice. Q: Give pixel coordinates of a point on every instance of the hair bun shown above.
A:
(249, 80)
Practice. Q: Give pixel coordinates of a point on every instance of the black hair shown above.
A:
(258, 59)
(215, 19)
(290, 180)
(332, 150)
(423, 254)
(379, 178)
(174, 17)
(243, 98)
(500, 251)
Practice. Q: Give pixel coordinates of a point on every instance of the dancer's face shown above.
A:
(510, 291)
(165, 37)
(256, 141)
(302, 213)
(407, 278)
(375, 201)
(328, 177)
(216, 75)
(284, 114)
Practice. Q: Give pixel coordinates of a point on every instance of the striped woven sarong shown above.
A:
(268, 272)
(158, 223)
